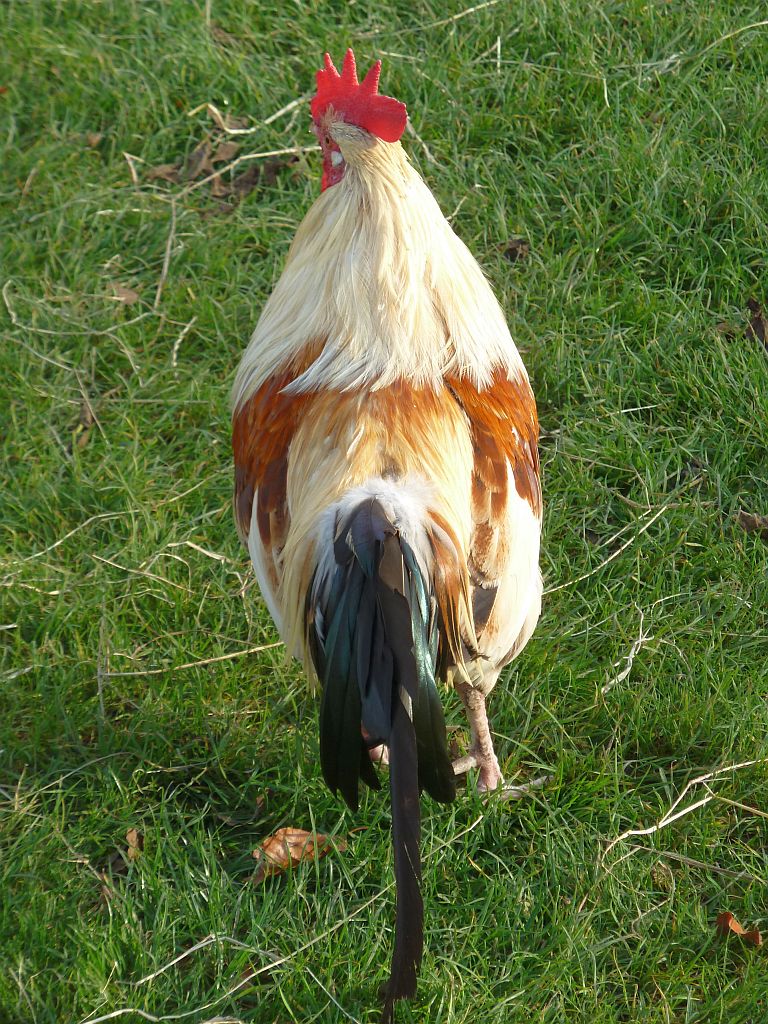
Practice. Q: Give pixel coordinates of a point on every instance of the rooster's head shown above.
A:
(345, 110)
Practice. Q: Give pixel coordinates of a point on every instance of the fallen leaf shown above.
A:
(727, 330)
(199, 161)
(228, 122)
(246, 182)
(93, 139)
(82, 432)
(225, 152)
(757, 328)
(753, 523)
(124, 294)
(516, 249)
(116, 865)
(135, 841)
(727, 924)
(223, 37)
(164, 172)
(288, 847)
(257, 975)
(271, 167)
(218, 188)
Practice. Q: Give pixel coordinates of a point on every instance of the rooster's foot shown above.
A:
(481, 754)
(517, 792)
(490, 773)
(379, 754)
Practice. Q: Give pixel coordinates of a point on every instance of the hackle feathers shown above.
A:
(377, 276)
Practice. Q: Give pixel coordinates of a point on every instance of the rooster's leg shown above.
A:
(379, 754)
(482, 754)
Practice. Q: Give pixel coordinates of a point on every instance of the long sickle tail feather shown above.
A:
(372, 632)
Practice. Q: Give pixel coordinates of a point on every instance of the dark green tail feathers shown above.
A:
(374, 643)
(373, 631)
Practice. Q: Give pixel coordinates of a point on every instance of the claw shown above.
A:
(517, 792)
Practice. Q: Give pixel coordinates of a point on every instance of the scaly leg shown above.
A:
(482, 754)
(378, 754)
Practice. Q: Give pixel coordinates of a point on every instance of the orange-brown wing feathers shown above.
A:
(451, 582)
(504, 429)
(262, 429)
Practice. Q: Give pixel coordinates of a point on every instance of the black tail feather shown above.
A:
(406, 831)
(372, 633)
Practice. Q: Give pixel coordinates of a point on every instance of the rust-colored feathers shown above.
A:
(471, 445)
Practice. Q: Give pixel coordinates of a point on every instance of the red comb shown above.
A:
(358, 103)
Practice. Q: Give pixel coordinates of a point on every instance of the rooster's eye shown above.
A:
(327, 140)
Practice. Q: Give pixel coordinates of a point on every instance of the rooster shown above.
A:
(387, 477)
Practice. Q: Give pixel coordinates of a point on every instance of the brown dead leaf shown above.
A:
(82, 432)
(246, 182)
(727, 924)
(135, 841)
(231, 191)
(235, 190)
(199, 161)
(728, 330)
(124, 294)
(288, 847)
(265, 173)
(227, 122)
(165, 172)
(225, 152)
(254, 975)
(757, 328)
(516, 249)
(218, 189)
(753, 523)
(93, 139)
(222, 37)
(271, 167)
(117, 865)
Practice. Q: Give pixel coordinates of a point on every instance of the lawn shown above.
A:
(152, 732)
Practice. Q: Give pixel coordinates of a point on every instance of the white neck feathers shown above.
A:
(377, 281)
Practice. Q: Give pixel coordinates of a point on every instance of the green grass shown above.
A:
(626, 142)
